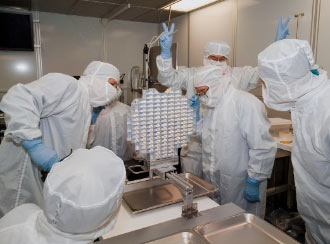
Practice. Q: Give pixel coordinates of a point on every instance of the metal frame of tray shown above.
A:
(152, 194)
(242, 228)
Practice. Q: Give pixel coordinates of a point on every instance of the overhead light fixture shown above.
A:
(189, 5)
(21, 67)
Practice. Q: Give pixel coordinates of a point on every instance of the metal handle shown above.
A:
(185, 186)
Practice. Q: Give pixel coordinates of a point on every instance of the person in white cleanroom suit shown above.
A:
(238, 150)
(292, 83)
(82, 196)
(45, 120)
(215, 53)
(110, 128)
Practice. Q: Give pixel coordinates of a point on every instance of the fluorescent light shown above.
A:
(189, 5)
(21, 67)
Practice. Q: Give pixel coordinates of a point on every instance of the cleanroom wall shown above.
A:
(256, 28)
(323, 49)
(214, 22)
(69, 43)
(248, 26)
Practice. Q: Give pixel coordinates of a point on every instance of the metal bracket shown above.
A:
(189, 209)
(190, 212)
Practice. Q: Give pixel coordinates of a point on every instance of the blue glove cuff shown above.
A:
(49, 164)
(95, 113)
(253, 181)
(29, 144)
(166, 54)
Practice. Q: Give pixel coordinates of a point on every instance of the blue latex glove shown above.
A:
(166, 41)
(282, 29)
(195, 105)
(41, 155)
(95, 113)
(251, 191)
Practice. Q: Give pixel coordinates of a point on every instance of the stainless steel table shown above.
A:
(174, 226)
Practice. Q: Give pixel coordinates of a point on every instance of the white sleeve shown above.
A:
(262, 147)
(170, 77)
(91, 136)
(245, 78)
(18, 215)
(325, 137)
(25, 105)
(199, 130)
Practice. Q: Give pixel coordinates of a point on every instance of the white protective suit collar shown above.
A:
(285, 68)
(50, 234)
(321, 82)
(216, 79)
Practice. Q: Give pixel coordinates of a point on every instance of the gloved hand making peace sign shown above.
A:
(166, 41)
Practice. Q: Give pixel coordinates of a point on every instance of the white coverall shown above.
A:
(82, 198)
(243, 78)
(235, 139)
(285, 68)
(57, 108)
(111, 130)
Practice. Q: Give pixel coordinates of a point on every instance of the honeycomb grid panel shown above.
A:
(160, 123)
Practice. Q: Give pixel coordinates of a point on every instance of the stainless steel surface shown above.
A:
(157, 193)
(243, 228)
(153, 197)
(161, 167)
(179, 238)
(174, 226)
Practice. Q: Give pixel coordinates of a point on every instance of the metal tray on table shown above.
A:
(147, 195)
(243, 228)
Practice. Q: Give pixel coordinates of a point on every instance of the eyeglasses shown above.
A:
(201, 93)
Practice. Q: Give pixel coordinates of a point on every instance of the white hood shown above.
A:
(285, 67)
(95, 78)
(83, 194)
(217, 81)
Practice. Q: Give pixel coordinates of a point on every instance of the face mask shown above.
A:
(101, 92)
(206, 99)
(119, 92)
(203, 99)
(207, 62)
(274, 101)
